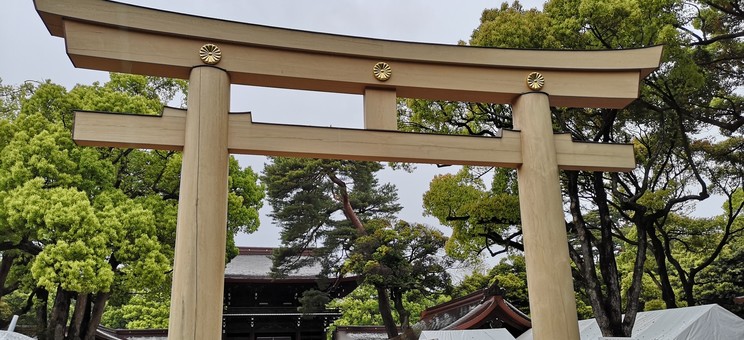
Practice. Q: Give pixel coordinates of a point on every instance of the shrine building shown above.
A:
(260, 307)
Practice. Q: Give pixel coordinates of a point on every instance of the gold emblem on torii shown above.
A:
(210, 54)
(535, 81)
(382, 71)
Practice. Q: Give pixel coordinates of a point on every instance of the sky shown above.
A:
(32, 54)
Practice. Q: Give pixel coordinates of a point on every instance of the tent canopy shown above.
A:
(468, 334)
(708, 322)
(7, 335)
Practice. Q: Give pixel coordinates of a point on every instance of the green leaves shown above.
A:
(72, 266)
(63, 219)
(463, 203)
(244, 199)
(95, 220)
(400, 255)
(339, 209)
(361, 308)
(686, 129)
(313, 199)
(514, 27)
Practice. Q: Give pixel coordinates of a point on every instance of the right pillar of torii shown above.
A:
(549, 280)
(213, 54)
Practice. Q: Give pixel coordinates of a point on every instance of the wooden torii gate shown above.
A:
(213, 54)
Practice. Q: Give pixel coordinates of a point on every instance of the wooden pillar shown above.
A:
(380, 109)
(198, 273)
(549, 281)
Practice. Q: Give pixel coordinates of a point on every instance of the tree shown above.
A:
(724, 280)
(692, 93)
(400, 260)
(322, 204)
(696, 251)
(90, 222)
(339, 209)
(479, 217)
(360, 307)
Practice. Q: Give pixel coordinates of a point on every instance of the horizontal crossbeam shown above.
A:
(246, 137)
(109, 36)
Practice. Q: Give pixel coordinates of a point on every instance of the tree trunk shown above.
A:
(657, 249)
(96, 314)
(77, 317)
(607, 264)
(585, 259)
(634, 291)
(346, 204)
(403, 314)
(86, 318)
(5, 266)
(383, 302)
(41, 313)
(60, 314)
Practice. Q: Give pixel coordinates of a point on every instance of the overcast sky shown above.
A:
(31, 53)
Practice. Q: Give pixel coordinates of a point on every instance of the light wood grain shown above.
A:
(587, 156)
(116, 37)
(111, 49)
(134, 18)
(549, 280)
(380, 109)
(246, 137)
(163, 132)
(199, 264)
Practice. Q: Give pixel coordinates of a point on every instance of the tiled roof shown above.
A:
(473, 310)
(255, 263)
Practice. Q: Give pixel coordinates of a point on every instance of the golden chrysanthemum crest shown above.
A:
(535, 81)
(382, 71)
(210, 54)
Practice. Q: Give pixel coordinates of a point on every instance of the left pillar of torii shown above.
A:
(199, 265)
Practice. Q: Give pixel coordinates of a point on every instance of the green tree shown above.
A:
(400, 260)
(339, 209)
(322, 204)
(693, 93)
(360, 307)
(480, 217)
(724, 280)
(90, 222)
(510, 276)
(697, 254)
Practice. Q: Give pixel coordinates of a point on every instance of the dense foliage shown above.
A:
(340, 211)
(83, 228)
(686, 128)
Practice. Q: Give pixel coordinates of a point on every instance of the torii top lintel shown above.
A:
(110, 36)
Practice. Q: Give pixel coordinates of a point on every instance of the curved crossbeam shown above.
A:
(110, 36)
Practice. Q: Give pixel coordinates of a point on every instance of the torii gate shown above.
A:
(213, 54)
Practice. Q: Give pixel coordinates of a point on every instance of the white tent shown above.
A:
(709, 322)
(8, 335)
(468, 334)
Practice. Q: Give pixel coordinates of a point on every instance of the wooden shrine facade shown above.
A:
(259, 307)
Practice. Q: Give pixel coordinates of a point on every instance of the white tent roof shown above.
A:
(6, 335)
(709, 322)
(469, 334)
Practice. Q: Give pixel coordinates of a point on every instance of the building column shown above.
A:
(549, 280)
(199, 265)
